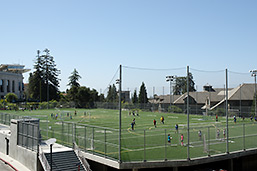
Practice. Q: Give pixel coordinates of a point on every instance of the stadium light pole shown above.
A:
(188, 140)
(227, 147)
(253, 74)
(170, 79)
(47, 75)
(118, 81)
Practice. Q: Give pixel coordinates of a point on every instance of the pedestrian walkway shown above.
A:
(13, 163)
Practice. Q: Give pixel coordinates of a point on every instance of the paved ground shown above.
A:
(5, 167)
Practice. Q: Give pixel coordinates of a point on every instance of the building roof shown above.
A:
(13, 68)
(217, 97)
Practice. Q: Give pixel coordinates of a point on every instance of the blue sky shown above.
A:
(95, 37)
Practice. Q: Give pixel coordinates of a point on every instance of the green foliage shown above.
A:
(174, 109)
(12, 106)
(135, 98)
(112, 95)
(45, 76)
(74, 78)
(220, 112)
(142, 98)
(82, 97)
(52, 104)
(11, 97)
(181, 85)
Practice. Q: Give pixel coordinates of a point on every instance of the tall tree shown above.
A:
(74, 79)
(181, 85)
(135, 98)
(142, 98)
(35, 79)
(44, 80)
(112, 95)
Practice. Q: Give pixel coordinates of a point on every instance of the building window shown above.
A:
(19, 86)
(13, 86)
(8, 85)
(2, 85)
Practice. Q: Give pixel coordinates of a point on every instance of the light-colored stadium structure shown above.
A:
(11, 80)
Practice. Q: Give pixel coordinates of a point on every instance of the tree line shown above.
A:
(44, 86)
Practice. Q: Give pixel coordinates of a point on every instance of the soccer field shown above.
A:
(97, 131)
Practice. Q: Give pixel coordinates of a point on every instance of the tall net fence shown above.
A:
(164, 94)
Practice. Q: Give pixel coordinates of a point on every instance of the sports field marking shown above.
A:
(134, 132)
(152, 115)
(151, 127)
(102, 131)
(198, 119)
(173, 117)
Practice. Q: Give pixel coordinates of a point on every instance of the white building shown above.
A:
(11, 80)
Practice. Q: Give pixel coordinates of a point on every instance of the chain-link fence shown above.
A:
(5, 118)
(28, 134)
(142, 144)
(152, 144)
(96, 140)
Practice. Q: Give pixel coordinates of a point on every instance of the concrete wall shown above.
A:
(25, 156)
(3, 135)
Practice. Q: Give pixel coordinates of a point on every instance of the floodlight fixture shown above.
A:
(170, 78)
(253, 72)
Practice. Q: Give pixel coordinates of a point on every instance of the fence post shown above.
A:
(144, 147)
(93, 141)
(85, 138)
(165, 150)
(209, 142)
(68, 136)
(27, 137)
(62, 133)
(244, 136)
(47, 128)
(105, 143)
(72, 132)
(75, 133)
(33, 136)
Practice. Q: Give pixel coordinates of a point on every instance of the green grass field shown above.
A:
(96, 131)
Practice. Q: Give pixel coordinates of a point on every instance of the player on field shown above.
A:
(218, 133)
(224, 133)
(132, 125)
(234, 119)
(162, 120)
(200, 135)
(182, 139)
(176, 127)
(169, 138)
(154, 123)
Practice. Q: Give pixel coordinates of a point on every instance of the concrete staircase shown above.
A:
(64, 161)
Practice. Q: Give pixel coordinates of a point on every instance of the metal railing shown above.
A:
(81, 157)
(44, 161)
